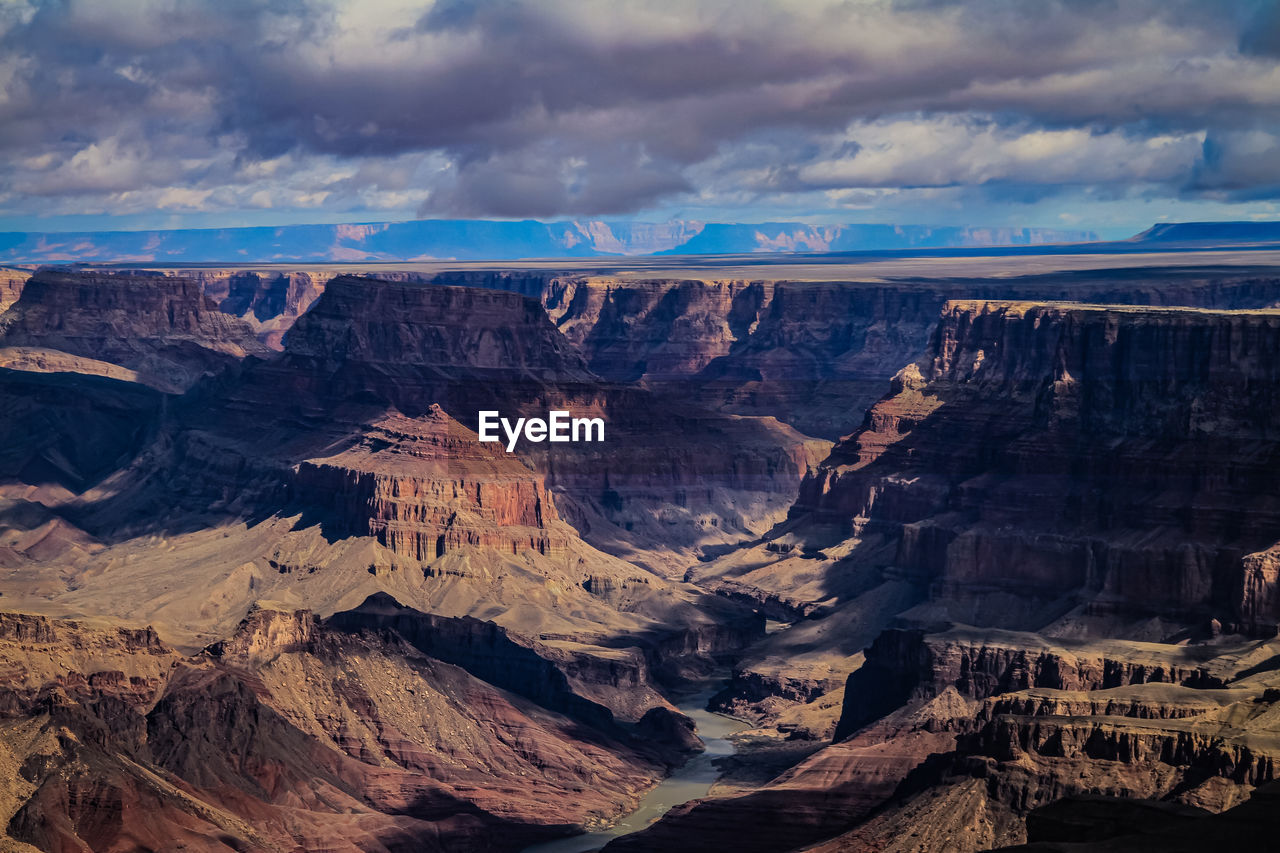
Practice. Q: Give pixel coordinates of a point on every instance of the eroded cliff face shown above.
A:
(1082, 471)
(406, 327)
(427, 486)
(814, 354)
(270, 302)
(970, 731)
(1046, 467)
(162, 328)
(668, 479)
(905, 666)
(1120, 456)
(329, 473)
(288, 735)
(11, 284)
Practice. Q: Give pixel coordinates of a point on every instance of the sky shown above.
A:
(1101, 114)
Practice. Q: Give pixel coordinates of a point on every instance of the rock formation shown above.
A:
(162, 328)
(330, 472)
(669, 478)
(1082, 471)
(427, 486)
(1120, 456)
(814, 354)
(11, 284)
(1043, 568)
(270, 302)
(288, 734)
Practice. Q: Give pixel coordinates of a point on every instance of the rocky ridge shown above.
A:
(163, 328)
(1038, 450)
(280, 735)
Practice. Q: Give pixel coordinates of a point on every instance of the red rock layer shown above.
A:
(368, 322)
(814, 354)
(904, 666)
(427, 486)
(949, 772)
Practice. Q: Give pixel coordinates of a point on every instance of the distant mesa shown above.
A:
(462, 239)
(1204, 233)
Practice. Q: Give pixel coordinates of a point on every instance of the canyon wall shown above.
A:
(669, 477)
(814, 354)
(341, 467)
(270, 302)
(1120, 456)
(11, 284)
(427, 486)
(162, 328)
(1082, 471)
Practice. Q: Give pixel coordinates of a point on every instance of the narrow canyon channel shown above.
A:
(691, 781)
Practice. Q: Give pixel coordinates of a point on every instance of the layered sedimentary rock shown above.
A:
(938, 767)
(268, 301)
(904, 666)
(812, 353)
(815, 354)
(668, 478)
(288, 735)
(346, 468)
(1076, 469)
(1070, 468)
(330, 472)
(408, 327)
(162, 328)
(1119, 456)
(426, 486)
(11, 284)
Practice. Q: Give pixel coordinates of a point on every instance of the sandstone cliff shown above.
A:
(328, 473)
(165, 329)
(11, 284)
(1117, 456)
(1082, 470)
(668, 479)
(814, 354)
(938, 767)
(427, 486)
(270, 302)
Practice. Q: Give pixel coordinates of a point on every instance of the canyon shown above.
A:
(988, 561)
(813, 350)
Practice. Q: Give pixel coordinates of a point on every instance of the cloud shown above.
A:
(951, 151)
(547, 108)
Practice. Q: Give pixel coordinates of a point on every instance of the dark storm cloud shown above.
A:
(550, 107)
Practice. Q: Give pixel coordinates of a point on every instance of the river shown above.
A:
(694, 779)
